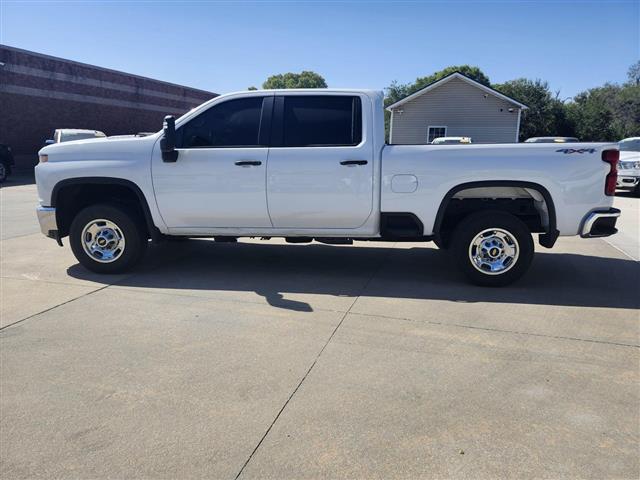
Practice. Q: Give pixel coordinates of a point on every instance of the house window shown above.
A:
(435, 132)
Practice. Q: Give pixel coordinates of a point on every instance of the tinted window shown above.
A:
(235, 123)
(322, 120)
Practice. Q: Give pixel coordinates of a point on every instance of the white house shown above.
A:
(455, 106)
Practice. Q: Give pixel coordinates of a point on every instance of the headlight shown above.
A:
(43, 158)
(629, 165)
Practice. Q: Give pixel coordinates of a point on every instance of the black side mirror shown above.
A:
(168, 140)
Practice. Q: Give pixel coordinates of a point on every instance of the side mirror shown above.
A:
(168, 140)
(49, 142)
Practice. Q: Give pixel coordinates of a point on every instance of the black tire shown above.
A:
(469, 230)
(636, 191)
(4, 172)
(129, 226)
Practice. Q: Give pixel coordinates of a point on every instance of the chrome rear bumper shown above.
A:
(600, 223)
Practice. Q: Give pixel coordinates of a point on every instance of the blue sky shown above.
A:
(227, 46)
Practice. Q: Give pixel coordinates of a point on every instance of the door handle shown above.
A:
(248, 163)
(353, 162)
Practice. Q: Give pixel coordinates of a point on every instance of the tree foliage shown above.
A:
(305, 79)
(634, 73)
(607, 113)
(546, 114)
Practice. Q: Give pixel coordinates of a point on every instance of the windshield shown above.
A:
(631, 145)
(68, 137)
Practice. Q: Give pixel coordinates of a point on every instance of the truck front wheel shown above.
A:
(107, 239)
(492, 248)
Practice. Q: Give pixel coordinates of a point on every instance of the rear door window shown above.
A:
(321, 121)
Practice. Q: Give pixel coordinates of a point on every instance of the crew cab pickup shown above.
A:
(313, 165)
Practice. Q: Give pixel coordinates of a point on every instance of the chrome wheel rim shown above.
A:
(494, 251)
(103, 240)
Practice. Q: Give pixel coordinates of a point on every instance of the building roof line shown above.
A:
(104, 69)
(460, 76)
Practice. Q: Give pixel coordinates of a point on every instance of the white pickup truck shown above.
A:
(313, 165)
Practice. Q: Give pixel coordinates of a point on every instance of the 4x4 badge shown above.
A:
(579, 150)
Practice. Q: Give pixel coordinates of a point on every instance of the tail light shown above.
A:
(611, 157)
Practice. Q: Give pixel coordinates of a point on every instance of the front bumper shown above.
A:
(627, 181)
(48, 224)
(600, 223)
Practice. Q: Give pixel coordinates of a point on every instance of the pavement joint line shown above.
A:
(620, 250)
(70, 284)
(54, 307)
(315, 361)
(19, 236)
(79, 297)
(498, 330)
(129, 288)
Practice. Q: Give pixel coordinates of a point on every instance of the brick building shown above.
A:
(39, 93)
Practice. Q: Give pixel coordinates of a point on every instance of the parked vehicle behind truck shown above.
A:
(312, 165)
(61, 135)
(629, 175)
(451, 141)
(551, 140)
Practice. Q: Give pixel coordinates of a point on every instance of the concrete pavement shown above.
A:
(262, 360)
(628, 237)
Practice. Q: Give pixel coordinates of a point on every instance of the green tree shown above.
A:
(634, 73)
(546, 115)
(305, 79)
(607, 113)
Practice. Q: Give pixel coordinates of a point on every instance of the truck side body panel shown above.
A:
(574, 177)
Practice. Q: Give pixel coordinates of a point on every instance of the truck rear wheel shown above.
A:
(107, 239)
(492, 248)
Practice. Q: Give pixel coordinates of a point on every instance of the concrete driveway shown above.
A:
(265, 360)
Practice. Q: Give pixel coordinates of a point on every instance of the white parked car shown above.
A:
(312, 165)
(70, 134)
(629, 175)
(551, 140)
(451, 141)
